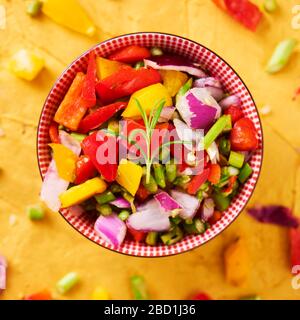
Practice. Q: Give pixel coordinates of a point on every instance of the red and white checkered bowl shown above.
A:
(211, 62)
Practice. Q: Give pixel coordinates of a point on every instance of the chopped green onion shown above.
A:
(139, 64)
(35, 212)
(104, 209)
(124, 214)
(171, 171)
(224, 146)
(138, 288)
(205, 186)
(232, 171)
(221, 202)
(281, 55)
(184, 89)
(175, 220)
(151, 186)
(127, 196)
(181, 181)
(173, 236)
(155, 51)
(159, 175)
(200, 195)
(151, 238)
(197, 227)
(270, 5)
(67, 282)
(245, 173)
(105, 197)
(164, 154)
(34, 8)
(236, 159)
(216, 129)
(113, 126)
(78, 136)
(223, 161)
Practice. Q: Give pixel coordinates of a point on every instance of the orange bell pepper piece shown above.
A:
(42, 295)
(72, 108)
(214, 174)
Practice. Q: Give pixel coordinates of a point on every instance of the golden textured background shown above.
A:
(40, 253)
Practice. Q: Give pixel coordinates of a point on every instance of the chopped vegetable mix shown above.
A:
(151, 144)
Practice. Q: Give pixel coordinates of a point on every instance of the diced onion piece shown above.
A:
(52, 187)
(232, 100)
(213, 153)
(212, 85)
(177, 63)
(111, 229)
(149, 218)
(167, 203)
(207, 210)
(166, 114)
(70, 142)
(189, 204)
(121, 203)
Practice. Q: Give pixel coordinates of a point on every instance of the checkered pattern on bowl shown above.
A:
(211, 62)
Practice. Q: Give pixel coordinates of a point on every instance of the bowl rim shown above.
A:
(258, 116)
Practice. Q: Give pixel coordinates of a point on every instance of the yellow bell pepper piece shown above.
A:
(236, 263)
(173, 80)
(65, 161)
(129, 176)
(100, 294)
(82, 192)
(148, 97)
(70, 14)
(106, 67)
(26, 65)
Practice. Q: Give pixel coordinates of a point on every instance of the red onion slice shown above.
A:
(232, 100)
(177, 63)
(52, 187)
(166, 114)
(149, 218)
(190, 204)
(111, 228)
(207, 209)
(212, 85)
(167, 204)
(121, 203)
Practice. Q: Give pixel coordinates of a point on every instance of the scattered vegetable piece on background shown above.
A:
(265, 110)
(12, 219)
(270, 5)
(281, 55)
(200, 296)
(26, 64)
(244, 11)
(236, 262)
(2, 133)
(35, 212)
(274, 214)
(42, 295)
(67, 282)
(3, 267)
(59, 11)
(138, 288)
(100, 293)
(34, 8)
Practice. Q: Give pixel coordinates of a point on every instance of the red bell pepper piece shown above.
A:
(53, 132)
(73, 107)
(125, 82)
(294, 235)
(130, 54)
(142, 193)
(228, 190)
(216, 217)
(244, 11)
(243, 136)
(235, 112)
(137, 235)
(94, 145)
(201, 296)
(42, 295)
(197, 181)
(214, 174)
(101, 115)
(89, 85)
(84, 169)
